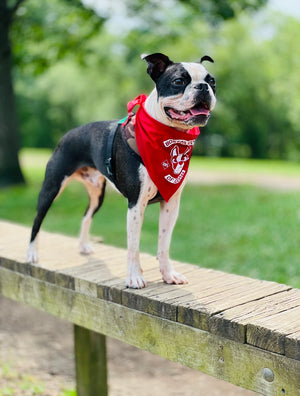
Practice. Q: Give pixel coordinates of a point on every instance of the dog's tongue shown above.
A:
(199, 111)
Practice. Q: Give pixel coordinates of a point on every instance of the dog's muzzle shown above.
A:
(199, 113)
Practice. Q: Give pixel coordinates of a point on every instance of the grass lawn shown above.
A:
(239, 229)
(246, 166)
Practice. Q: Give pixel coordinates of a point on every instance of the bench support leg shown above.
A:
(90, 360)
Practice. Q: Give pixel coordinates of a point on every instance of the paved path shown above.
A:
(269, 181)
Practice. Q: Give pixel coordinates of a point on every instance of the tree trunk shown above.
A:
(10, 171)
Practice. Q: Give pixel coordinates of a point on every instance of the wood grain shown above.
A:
(240, 364)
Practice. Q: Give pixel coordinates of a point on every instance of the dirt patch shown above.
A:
(39, 348)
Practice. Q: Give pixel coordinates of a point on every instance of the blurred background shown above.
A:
(71, 65)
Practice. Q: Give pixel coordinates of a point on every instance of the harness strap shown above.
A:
(109, 148)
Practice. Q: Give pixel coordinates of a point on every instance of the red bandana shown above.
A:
(165, 151)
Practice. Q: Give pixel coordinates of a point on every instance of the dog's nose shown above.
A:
(202, 87)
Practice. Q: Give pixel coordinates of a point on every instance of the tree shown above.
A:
(59, 39)
(10, 171)
(59, 28)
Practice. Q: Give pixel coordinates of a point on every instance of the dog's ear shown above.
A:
(207, 58)
(157, 64)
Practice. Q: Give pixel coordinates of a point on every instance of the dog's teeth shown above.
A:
(182, 113)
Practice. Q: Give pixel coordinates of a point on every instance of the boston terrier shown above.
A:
(145, 156)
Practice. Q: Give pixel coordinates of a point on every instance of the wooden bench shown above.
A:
(238, 329)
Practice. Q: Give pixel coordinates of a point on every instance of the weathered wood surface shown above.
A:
(229, 326)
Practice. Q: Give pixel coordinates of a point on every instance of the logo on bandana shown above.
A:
(170, 142)
(178, 158)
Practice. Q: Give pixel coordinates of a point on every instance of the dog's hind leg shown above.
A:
(59, 171)
(48, 193)
(96, 190)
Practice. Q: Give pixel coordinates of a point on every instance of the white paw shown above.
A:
(136, 281)
(85, 248)
(173, 277)
(31, 254)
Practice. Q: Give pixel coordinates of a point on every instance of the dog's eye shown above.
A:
(211, 81)
(179, 81)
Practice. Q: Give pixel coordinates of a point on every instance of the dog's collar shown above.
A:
(165, 151)
(140, 101)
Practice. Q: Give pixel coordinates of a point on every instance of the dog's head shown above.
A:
(184, 94)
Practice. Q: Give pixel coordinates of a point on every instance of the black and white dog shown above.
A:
(182, 99)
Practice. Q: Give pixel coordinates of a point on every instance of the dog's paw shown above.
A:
(173, 277)
(136, 282)
(85, 248)
(31, 254)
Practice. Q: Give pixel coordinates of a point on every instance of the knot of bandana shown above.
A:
(165, 151)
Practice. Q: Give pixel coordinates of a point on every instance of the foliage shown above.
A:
(51, 32)
(258, 80)
(253, 118)
(214, 11)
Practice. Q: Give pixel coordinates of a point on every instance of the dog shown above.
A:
(145, 170)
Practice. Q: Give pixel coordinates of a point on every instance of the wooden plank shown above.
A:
(203, 303)
(106, 278)
(292, 345)
(230, 290)
(162, 299)
(14, 265)
(243, 365)
(90, 362)
(52, 246)
(270, 332)
(143, 300)
(56, 252)
(88, 277)
(232, 323)
(199, 311)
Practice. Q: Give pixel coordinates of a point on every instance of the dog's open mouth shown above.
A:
(200, 110)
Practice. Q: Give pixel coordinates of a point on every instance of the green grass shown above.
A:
(13, 383)
(34, 162)
(246, 166)
(239, 229)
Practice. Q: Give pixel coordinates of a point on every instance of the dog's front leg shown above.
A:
(167, 220)
(135, 217)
